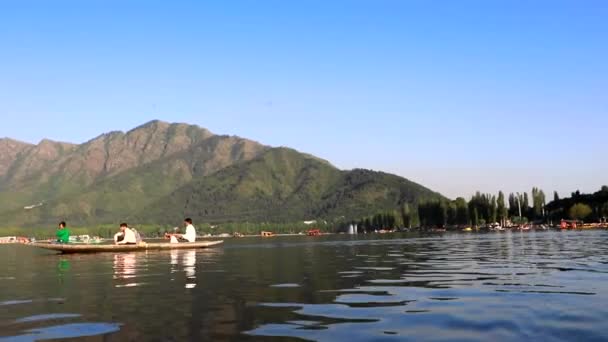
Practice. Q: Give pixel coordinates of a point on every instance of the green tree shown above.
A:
(525, 206)
(604, 210)
(538, 203)
(443, 211)
(579, 211)
(555, 196)
(475, 217)
(513, 206)
(485, 205)
(452, 214)
(462, 211)
(501, 208)
(543, 202)
(406, 215)
(493, 210)
(415, 219)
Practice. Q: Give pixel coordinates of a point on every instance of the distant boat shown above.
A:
(29, 207)
(313, 232)
(467, 229)
(14, 239)
(496, 227)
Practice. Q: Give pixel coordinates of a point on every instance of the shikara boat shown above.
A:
(83, 248)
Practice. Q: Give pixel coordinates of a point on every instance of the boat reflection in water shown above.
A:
(125, 268)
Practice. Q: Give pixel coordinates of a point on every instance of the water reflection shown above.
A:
(125, 268)
(63, 267)
(480, 287)
(174, 261)
(190, 268)
(511, 286)
(46, 317)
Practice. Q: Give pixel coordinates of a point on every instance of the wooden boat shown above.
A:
(144, 246)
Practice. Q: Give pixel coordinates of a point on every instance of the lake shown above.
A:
(543, 286)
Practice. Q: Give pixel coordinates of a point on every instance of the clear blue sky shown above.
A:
(457, 95)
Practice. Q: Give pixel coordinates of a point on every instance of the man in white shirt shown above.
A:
(127, 234)
(190, 235)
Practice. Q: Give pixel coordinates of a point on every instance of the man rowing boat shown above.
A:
(190, 235)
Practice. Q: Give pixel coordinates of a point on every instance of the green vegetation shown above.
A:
(283, 185)
(588, 207)
(480, 210)
(580, 211)
(156, 174)
(112, 176)
(159, 173)
(485, 209)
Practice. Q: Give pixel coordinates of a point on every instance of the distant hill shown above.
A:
(161, 172)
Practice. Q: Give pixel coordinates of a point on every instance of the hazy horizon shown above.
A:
(459, 97)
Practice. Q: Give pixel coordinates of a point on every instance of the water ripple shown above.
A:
(486, 287)
(64, 331)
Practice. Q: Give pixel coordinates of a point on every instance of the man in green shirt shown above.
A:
(63, 234)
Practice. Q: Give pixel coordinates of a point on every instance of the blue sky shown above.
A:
(457, 95)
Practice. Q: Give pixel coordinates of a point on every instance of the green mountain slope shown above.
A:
(284, 185)
(115, 174)
(161, 172)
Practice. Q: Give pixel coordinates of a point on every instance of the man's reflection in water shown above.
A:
(125, 268)
(63, 266)
(174, 262)
(188, 262)
(190, 268)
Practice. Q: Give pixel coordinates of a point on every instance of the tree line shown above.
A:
(485, 209)
(586, 207)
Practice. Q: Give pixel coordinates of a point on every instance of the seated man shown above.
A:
(126, 236)
(63, 234)
(190, 235)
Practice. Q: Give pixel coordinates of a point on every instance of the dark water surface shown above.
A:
(542, 286)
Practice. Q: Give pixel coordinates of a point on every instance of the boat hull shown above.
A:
(68, 248)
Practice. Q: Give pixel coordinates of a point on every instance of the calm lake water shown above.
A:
(542, 286)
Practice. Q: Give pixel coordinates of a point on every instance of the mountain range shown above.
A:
(160, 172)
